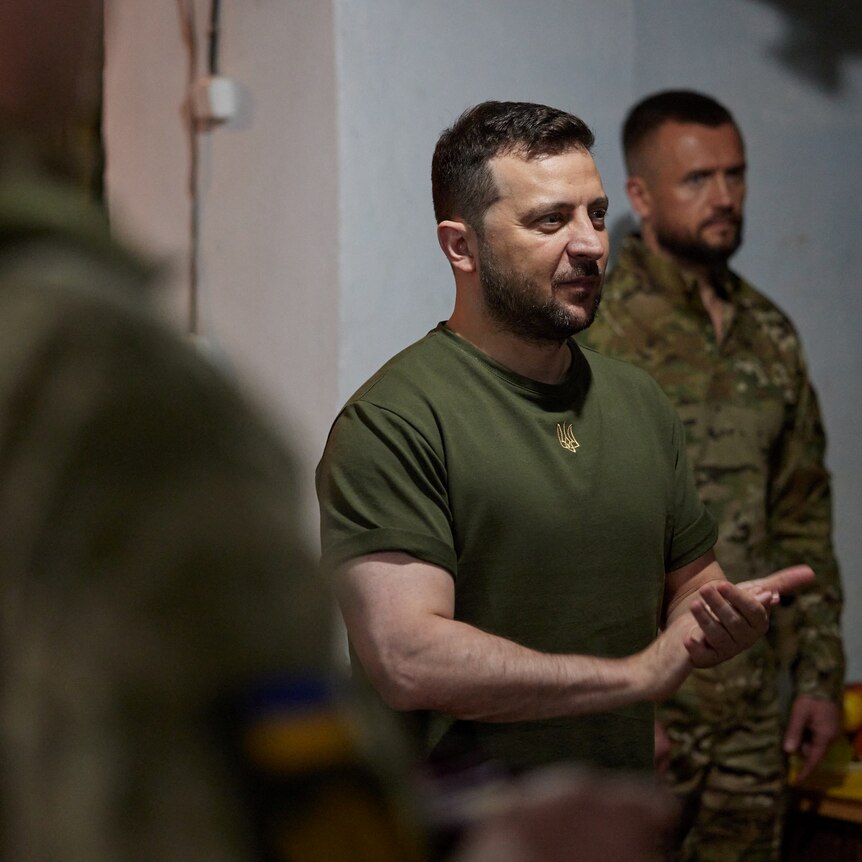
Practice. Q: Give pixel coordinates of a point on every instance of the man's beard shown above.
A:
(513, 301)
(690, 247)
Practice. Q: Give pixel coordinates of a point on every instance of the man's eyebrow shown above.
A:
(549, 206)
(544, 207)
(707, 170)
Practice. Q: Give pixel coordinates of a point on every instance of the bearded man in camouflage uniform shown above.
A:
(732, 363)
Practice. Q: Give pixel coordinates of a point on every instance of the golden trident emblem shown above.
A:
(567, 438)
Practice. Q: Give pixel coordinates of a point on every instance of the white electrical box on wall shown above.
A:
(215, 99)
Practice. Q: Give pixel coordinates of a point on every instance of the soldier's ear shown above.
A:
(458, 242)
(639, 196)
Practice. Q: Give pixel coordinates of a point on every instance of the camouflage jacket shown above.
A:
(149, 556)
(755, 437)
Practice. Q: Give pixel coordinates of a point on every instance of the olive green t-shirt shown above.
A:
(557, 509)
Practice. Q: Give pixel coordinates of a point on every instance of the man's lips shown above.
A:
(583, 282)
(724, 222)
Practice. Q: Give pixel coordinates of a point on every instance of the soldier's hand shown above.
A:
(814, 723)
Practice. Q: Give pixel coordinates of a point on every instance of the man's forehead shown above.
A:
(573, 170)
(694, 141)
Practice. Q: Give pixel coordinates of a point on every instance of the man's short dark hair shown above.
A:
(679, 106)
(461, 182)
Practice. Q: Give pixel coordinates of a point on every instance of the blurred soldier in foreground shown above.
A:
(148, 562)
(732, 364)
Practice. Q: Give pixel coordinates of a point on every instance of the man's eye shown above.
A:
(695, 180)
(551, 221)
(599, 214)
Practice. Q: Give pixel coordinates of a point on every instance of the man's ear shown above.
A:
(458, 242)
(639, 196)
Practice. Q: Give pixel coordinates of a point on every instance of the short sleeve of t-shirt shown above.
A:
(382, 486)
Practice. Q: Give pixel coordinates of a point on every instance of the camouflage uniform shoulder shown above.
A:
(42, 220)
(768, 317)
(624, 376)
(637, 299)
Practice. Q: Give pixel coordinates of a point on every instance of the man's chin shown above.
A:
(581, 320)
(702, 249)
(720, 249)
(720, 253)
(586, 323)
(553, 330)
(704, 254)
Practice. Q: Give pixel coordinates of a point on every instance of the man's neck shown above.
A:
(546, 362)
(717, 307)
(707, 276)
(703, 272)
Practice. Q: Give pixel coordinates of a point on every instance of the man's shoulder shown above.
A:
(642, 291)
(64, 280)
(636, 269)
(755, 301)
(420, 371)
(125, 375)
(769, 329)
(619, 375)
(625, 274)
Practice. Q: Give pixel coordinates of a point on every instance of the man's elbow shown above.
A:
(399, 679)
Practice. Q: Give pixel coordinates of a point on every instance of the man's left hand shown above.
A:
(732, 617)
(814, 723)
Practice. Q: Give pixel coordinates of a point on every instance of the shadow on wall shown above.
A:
(821, 37)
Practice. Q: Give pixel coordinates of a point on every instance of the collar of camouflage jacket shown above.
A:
(667, 276)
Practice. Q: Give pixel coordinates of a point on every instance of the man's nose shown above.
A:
(585, 240)
(722, 194)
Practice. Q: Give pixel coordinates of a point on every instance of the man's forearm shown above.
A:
(399, 613)
(455, 668)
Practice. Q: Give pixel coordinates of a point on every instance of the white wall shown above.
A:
(318, 258)
(267, 207)
(147, 141)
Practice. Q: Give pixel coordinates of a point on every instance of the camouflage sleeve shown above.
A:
(605, 334)
(800, 522)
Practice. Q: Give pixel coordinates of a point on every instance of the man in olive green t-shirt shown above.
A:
(509, 518)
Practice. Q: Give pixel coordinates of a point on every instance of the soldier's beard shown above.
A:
(514, 301)
(694, 249)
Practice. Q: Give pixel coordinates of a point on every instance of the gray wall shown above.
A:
(316, 253)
